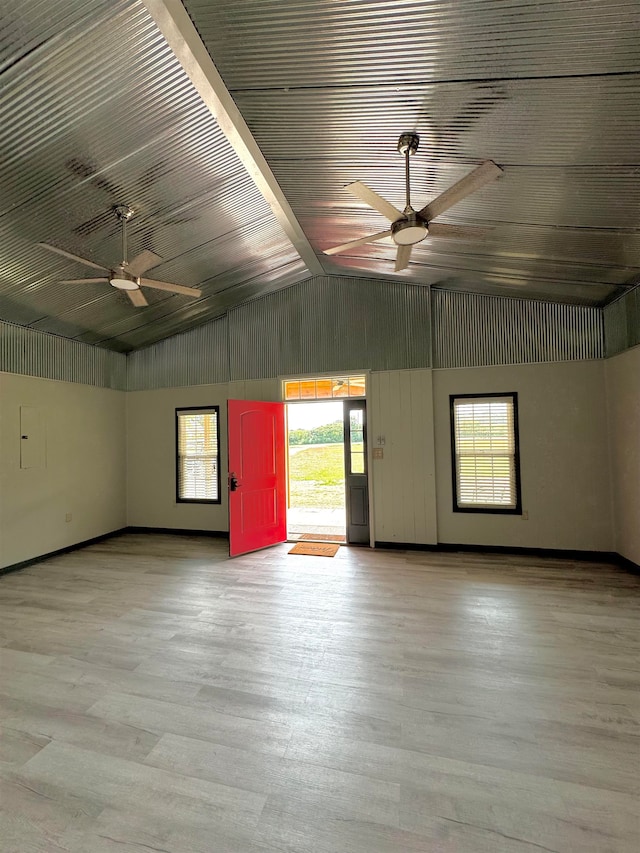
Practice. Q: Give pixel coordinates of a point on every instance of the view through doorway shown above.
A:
(316, 471)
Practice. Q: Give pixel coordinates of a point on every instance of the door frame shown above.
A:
(319, 374)
(338, 401)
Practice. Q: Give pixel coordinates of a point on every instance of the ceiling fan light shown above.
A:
(123, 283)
(406, 232)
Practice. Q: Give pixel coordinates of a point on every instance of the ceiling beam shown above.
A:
(176, 26)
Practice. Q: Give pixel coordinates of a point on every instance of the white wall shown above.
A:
(151, 459)
(151, 449)
(266, 390)
(563, 444)
(566, 488)
(109, 471)
(83, 470)
(623, 407)
(400, 412)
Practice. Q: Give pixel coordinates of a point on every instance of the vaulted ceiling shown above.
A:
(233, 129)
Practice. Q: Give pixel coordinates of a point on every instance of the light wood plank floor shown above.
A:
(156, 696)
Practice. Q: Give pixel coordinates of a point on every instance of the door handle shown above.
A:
(233, 483)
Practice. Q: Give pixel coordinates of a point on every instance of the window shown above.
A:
(198, 451)
(356, 457)
(486, 465)
(325, 387)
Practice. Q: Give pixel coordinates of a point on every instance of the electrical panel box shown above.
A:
(32, 444)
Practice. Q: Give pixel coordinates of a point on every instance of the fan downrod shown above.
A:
(120, 277)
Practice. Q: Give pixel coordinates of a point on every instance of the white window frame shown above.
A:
(215, 455)
(514, 507)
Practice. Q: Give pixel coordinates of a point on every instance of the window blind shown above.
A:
(485, 452)
(198, 455)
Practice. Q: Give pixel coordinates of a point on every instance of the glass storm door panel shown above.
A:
(257, 475)
(355, 464)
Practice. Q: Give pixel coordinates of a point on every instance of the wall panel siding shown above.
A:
(400, 407)
(331, 324)
(472, 330)
(82, 472)
(564, 460)
(33, 353)
(623, 408)
(197, 357)
(622, 323)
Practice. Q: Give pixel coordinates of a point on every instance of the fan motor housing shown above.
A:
(122, 279)
(411, 229)
(408, 142)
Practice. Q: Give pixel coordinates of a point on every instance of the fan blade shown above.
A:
(364, 193)
(83, 280)
(361, 242)
(457, 232)
(475, 180)
(143, 262)
(173, 288)
(403, 257)
(137, 297)
(71, 257)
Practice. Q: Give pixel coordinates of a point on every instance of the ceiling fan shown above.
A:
(127, 275)
(409, 227)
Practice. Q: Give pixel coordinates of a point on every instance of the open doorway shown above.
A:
(316, 471)
(327, 471)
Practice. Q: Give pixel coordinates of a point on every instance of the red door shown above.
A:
(257, 478)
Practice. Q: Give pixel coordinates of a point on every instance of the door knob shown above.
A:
(233, 483)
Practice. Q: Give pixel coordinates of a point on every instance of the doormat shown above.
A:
(323, 537)
(315, 549)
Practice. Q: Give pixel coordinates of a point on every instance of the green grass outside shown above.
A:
(316, 477)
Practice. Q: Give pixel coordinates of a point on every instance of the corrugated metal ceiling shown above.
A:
(269, 44)
(96, 110)
(550, 91)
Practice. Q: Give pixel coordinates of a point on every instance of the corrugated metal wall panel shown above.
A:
(632, 301)
(472, 330)
(335, 324)
(615, 326)
(622, 323)
(38, 354)
(197, 357)
(327, 324)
